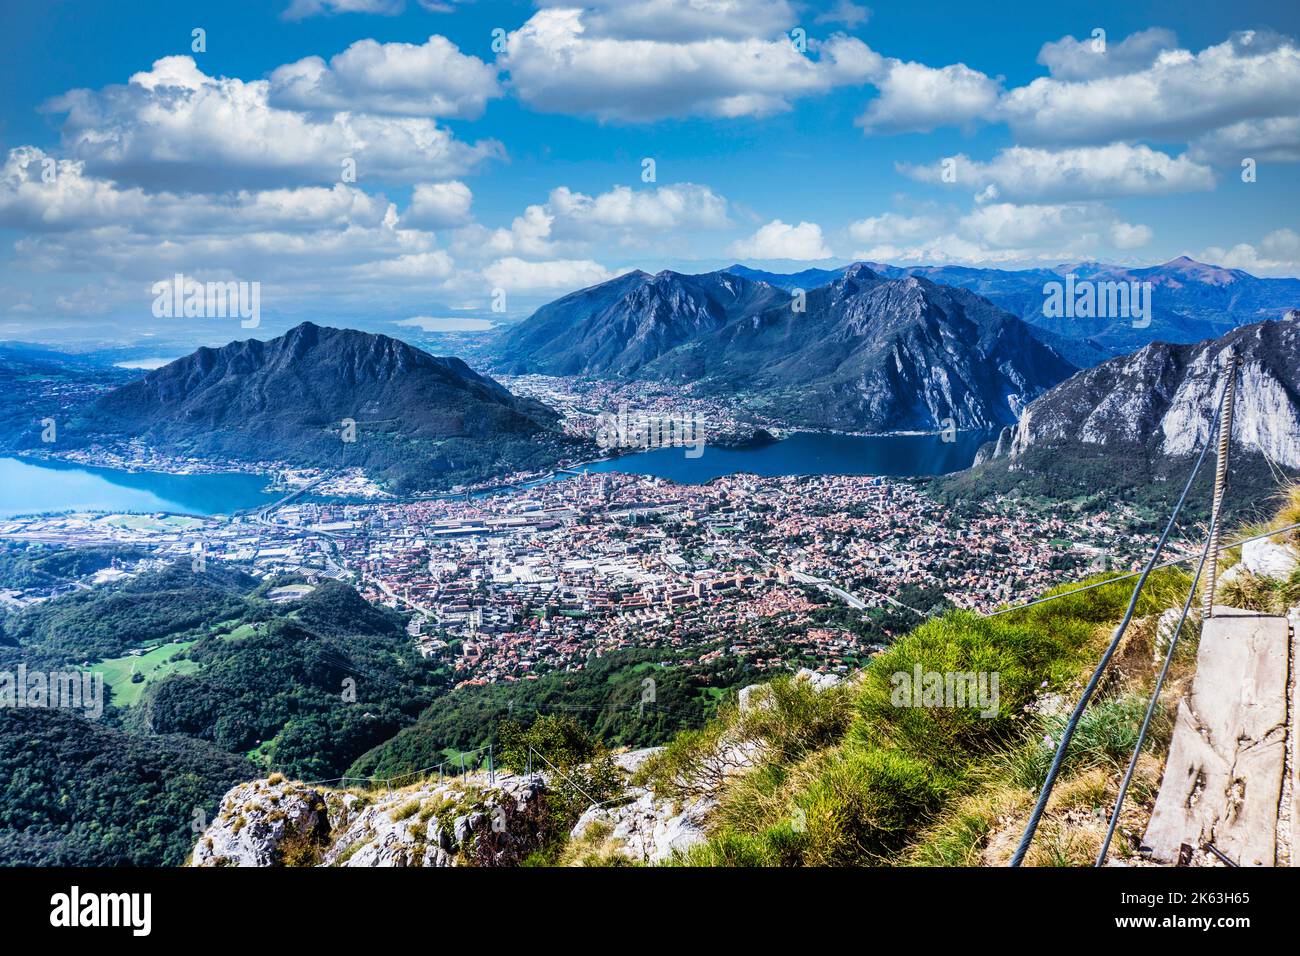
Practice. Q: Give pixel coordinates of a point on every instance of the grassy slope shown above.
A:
(851, 779)
(152, 665)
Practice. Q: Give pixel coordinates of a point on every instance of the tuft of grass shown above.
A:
(1105, 737)
(961, 834)
(408, 809)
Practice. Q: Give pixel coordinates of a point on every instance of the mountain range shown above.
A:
(1190, 300)
(863, 352)
(1160, 401)
(1135, 422)
(419, 420)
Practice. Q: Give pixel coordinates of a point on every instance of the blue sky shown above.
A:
(519, 168)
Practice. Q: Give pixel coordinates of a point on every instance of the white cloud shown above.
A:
(1252, 75)
(1028, 173)
(435, 205)
(658, 209)
(430, 79)
(302, 9)
(918, 98)
(1278, 254)
(681, 20)
(1276, 140)
(74, 200)
(891, 227)
(516, 275)
(1071, 59)
(1124, 235)
(556, 65)
(778, 240)
(1074, 226)
(419, 265)
(846, 12)
(175, 127)
(571, 222)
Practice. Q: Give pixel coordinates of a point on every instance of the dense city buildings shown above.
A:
(509, 585)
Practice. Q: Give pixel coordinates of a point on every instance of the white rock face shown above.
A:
(647, 829)
(1269, 559)
(1170, 393)
(256, 819)
(449, 824)
(819, 680)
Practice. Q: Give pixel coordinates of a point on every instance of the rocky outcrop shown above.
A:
(1270, 559)
(262, 823)
(647, 829)
(1160, 401)
(467, 822)
(650, 828)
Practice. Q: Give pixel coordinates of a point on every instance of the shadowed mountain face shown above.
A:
(420, 420)
(616, 328)
(863, 353)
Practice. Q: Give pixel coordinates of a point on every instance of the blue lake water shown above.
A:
(30, 486)
(807, 453)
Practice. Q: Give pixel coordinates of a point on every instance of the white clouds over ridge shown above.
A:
(1118, 169)
(177, 167)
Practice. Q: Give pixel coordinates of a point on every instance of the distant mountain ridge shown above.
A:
(1191, 300)
(863, 352)
(419, 419)
(618, 327)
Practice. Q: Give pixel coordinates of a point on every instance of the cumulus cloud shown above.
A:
(1071, 59)
(1276, 140)
(557, 65)
(40, 193)
(681, 20)
(1076, 226)
(1252, 75)
(435, 264)
(175, 127)
(429, 79)
(658, 209)
(846, 12)
(892, 227)
(570, 221)
(1125, 235)
(1028, 173)
(435, 205)
(919, 98)
(779, 240)
(1000, 234)
(518, 275)
(1277, 254)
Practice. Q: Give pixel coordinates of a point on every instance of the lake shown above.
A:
(809, 453)
(31, 486)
